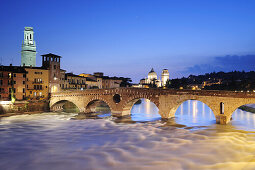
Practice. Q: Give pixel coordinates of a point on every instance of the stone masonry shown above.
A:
(121, 100)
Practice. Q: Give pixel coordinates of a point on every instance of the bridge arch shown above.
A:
(177, 101)
(194, 103)
(91, 104)
(129, 103)
(59, 105)
(234, 106)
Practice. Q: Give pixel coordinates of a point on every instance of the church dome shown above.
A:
(152, 75)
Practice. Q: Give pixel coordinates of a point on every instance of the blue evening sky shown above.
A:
(128, 37)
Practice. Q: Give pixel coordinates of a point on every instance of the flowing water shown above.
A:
(191, 140)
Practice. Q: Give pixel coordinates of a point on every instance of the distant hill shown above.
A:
(234, 80)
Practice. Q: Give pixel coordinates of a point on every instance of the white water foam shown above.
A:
(54, 141)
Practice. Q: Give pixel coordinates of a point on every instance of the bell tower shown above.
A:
(28, 52)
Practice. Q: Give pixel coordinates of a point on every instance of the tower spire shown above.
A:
(28, 52)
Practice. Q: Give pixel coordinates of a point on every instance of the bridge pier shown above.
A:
(222, 119)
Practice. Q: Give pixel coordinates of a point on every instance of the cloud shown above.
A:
(225, 63)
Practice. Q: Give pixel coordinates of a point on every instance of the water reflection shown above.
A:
(189, 114)
(145, 111)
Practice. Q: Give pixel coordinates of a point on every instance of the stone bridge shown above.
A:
(121, 100)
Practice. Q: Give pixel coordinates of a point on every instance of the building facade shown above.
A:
(37, 83)
(28, 52)
(52, 63)
(12, 83)
(72, 81)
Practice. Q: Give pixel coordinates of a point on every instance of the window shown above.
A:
(38, 72)
(14, 82)
(24, 75)
(10, 90)
(14, 75)
(10, 75)
(40, 94)
(27, 86)
(24, 82)
(55, 66)
(35, 94)
(1, 74)
(30, 36)
(30, 92)
(23, 90)
(14, 90)
(1, 82)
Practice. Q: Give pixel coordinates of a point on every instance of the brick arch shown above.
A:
(59, 102)
(95, 98)
(129, 102)
(235, 105)
(178, 101)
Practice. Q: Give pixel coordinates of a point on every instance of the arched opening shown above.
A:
(142, 109)
(116, 98)
(244, 117)
(194, 113)
(98, 108)
(65, 106)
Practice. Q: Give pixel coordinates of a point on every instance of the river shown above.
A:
(191, 140)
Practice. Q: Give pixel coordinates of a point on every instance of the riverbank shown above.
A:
(247, 108)
(23, 107)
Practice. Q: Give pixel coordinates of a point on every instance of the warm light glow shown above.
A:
(5, 102)
(54, 89)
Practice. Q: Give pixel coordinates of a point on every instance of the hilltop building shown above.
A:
(164, 77)
(153, 80)
(28, 52)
